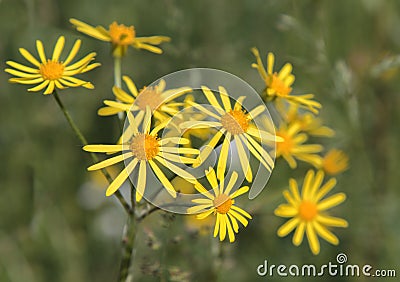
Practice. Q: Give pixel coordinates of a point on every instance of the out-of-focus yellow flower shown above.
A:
(293, 146)
(236, 124)
(143, 149)
(308, 122)
(52, 73)
(308, 211)
(221, 203)
(334, 162)
(156, 97)
(279, 85)
(121, 37)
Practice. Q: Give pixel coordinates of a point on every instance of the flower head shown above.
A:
(279, 84)
(334, 162)
(308, 211)
(121, 37)
(156, 97)
(308, 122)
(145, 149)
(292, 147)
(236, 124)
(52, 73)
(220, 202)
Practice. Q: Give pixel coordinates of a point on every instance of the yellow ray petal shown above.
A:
(240, 191)
(332, 221)
(232, 181)
(287, 227)
(331, 201)
(244, 161)
(216, 228)
(105, 148)
(163, 179)
(58, 48)
(141, 183)
(221, 167)
(40, 49)
(110, 161)
(299, 234)
(222, 227)
(120, 179)
(211, 97)
(325, 233)
(73, 52)
(312, 239)
(29, 57)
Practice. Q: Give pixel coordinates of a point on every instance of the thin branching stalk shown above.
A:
(84, 142)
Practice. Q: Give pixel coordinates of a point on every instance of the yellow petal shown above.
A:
(29, 57)
(58, 48)
(325, 234)
(105, 148)
(299, 234)
(332, 201)
(110, 161)
(120, 179)
(141, 183)
(287, 227)
(73, 52)
(221, 167)
(312, 239)
(163, 179)
(40, 49)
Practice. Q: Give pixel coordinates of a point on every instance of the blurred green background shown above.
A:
(57, 225)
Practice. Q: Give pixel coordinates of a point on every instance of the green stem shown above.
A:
(128, 243)
(117, 71)
(84, 142)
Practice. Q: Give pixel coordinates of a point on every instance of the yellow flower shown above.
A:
(235, 123)
(121, 37)
(52, 73)
(334, 162)
(279, 85)
(144, 149)
(308, 211)
(308, 122)
(156, 97)
(221, 203)
(292, 147)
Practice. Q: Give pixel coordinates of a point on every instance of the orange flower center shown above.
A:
(149, 96)
(286, 146)
(223, 203)
(51, 70)
(121, 34)
(308, 210)
(279, 86)
(144, 146)
(235, 121)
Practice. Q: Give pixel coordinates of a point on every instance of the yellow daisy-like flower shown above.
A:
(292, 147)
(334, 162)
(279, 85)
(156, 97)
(221, 203)
(236, 124)
(308, 122)
(52, 73)
(308, 211)
(144, 149)
(121, 37)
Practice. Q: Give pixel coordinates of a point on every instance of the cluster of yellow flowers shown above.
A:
(149, 110)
